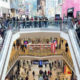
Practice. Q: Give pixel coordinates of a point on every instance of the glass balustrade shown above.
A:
(55, 24)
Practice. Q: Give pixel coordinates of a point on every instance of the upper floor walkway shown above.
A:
(13, 33)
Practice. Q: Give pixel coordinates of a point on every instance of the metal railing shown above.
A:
(77, 38)
(12, 61)
(3, 39)
(65, 56)
(33, 24)
(3, 43)
(69, 61)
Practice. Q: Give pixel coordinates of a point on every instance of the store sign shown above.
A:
(30, 7)
(53, 48)
(70, 10)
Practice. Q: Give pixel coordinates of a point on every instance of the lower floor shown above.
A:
(40, 70)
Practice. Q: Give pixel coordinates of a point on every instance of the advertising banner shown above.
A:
(31, 7)
(53, 48)
(41, 7)
(50, 8)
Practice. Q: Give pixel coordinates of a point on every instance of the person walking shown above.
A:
(26, 78)
(33, 73)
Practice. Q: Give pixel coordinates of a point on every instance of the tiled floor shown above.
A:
(36, 69)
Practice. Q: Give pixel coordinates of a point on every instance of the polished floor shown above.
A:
(57, 72)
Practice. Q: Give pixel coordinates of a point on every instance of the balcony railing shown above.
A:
(69, 61)
(65, 56)
(55, 24)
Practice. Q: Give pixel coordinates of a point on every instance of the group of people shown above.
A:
(45, 75)
(24, 22)
(15, 73)
(35, 21)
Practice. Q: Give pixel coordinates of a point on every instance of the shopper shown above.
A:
(26, 78)
(33, 73)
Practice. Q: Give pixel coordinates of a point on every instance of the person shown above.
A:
(52, 63)
(45, 21)
(14, 45)
(33, 73)
(45, 65)
(27, 73)
(43, 75)
(35, 22)
(0, 26)
(59, 45)
(26, 78)
(13, 19)
(66, 49)
(23, 23)
(62, 41)
(50, 73)
(45, 72)
(66, 45)
(28, 22)
(40, 72)
(40, 23)
(31, 21)
(27, 18)
(22, 47)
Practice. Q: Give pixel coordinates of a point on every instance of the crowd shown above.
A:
(36, 21)
(28, 22)
(2, 36)
(18, 74)
(23, 45)
(33, 22)
(24, 22)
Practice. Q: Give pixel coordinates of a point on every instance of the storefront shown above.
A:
(70, 6)
(70, 12)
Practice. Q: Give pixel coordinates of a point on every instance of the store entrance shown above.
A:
(70, 12)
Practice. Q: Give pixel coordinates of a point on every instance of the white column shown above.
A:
(0, 12)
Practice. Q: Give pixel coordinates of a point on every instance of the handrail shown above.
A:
(69, 60)
(74, 54)
(64, 55)
(4, 62)
(77, 38)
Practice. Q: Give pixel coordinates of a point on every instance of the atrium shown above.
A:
(39, 39)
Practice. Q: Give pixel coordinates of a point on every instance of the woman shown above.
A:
(41, 8)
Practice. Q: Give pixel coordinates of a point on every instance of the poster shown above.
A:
(41, 7)
(31, 7)
(53, 48)
(50, 8)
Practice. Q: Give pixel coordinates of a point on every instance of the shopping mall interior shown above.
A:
(39, 40)
(32, 57)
